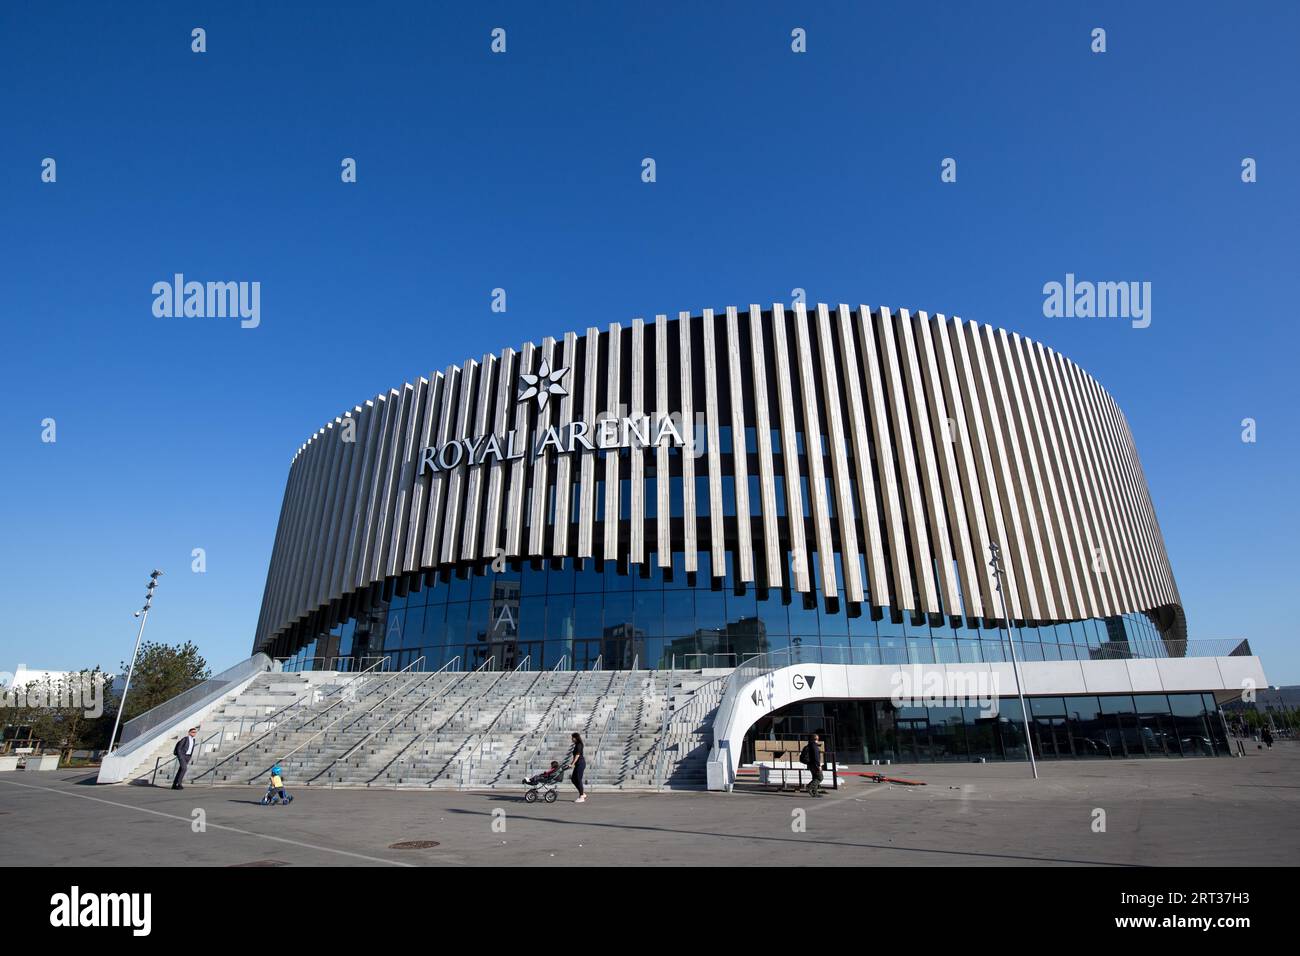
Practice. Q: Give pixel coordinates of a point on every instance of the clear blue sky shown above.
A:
(522, 170)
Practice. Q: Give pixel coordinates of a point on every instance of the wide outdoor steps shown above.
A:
(465, 730)
(239, 714)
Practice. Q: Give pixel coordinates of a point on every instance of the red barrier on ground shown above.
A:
(881, 778)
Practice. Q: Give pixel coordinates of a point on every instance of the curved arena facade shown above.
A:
(697, 490)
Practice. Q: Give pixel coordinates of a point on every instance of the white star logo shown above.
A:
(542, 385)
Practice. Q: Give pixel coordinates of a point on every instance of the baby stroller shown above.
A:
(543, 785)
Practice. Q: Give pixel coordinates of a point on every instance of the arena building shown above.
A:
(823, 483)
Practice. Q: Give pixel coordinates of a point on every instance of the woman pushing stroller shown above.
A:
(543, 784)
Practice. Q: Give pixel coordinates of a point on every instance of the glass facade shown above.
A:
(592, 616)
(1063, 728)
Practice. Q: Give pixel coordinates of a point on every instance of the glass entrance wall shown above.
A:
(1061, 728)
(582, 614)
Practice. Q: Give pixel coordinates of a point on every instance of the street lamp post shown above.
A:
(143, 615)
(996, 565)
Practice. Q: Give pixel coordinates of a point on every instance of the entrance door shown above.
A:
(1053, 737)
(1159, 735)
(913, 739)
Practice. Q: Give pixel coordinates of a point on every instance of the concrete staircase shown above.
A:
(689, 734)
(238, 715)
(461, 730)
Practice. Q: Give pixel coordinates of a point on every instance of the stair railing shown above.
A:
(341, 718)
(663, 728)
(618, 710)
(476, 756)
(307, 700)
(700, 700)
(158, 762)
(396, 718)
(546, 718)
(416, 746)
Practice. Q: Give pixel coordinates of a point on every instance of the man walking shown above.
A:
(184, 750)
(812, 759)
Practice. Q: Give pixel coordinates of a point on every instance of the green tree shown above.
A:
(161, 672)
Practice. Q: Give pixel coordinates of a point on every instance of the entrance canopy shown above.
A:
(766, 684)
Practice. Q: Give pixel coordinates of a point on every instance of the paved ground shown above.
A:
(1157, 812)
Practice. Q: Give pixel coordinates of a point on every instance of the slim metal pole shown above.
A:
(996, 564)
(144, 618)
(129, 671)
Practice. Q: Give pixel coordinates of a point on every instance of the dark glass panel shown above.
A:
(618, 610)
(533, 617)
(588, 580)
(457, 589)
(803, 620)
(457, 617)
(679, 614)
(587, 619)
(648, 613)
(773, 614)
(710, 609)
(947, 734)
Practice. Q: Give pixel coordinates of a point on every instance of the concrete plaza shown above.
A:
(1215, 812)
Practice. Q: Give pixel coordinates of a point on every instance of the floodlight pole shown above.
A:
(144, 617)
(996, 565)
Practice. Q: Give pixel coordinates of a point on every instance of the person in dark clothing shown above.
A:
(579, 766)
(1266, 735)
(184, 751)
(812, 759)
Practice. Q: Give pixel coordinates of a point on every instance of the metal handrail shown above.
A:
(662, 743)
(353, 678)
(415, 745)
(613, 718)
(300, 702)
(158, 761)
(528, 658)
(646, 695)
(484, 666)
(341, 717)
(560, 665)
(546, 718)
(401, 754)
(193, 698)
(396, 718)
(308, 697)
(689, 711)
(297, 663)
(473, 759)
(600, 695)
